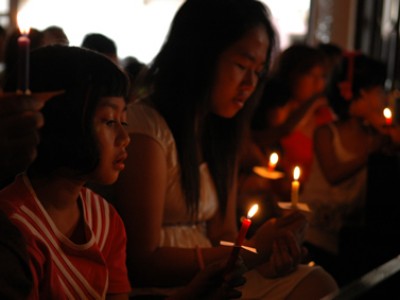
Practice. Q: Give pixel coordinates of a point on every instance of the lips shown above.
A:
(240, 102)
(119, 162)
(241, 98)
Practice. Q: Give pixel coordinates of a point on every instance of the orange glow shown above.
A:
(252, 211)
(273, 160)
(22, 23)
(387, 113)
(296, 173)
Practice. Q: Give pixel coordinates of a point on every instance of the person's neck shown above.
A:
(56, 192)
(59, 196)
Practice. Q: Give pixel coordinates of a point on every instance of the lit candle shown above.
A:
(23, 56)
(387, 113)
(273, 160)
(295, 187)
(246, 222)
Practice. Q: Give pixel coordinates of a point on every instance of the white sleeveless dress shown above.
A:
(333, 206)
(177, 229)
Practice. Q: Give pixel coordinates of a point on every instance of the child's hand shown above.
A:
(20, 120)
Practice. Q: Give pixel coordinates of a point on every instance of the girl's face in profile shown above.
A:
(238, 71)
(310, 84)
(110, 121)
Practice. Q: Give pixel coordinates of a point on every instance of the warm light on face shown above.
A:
(296, 173)
(252, 211)
(22, 23)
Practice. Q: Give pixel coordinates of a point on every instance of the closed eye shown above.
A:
(260, 73)
(110, 122)
(240, 66)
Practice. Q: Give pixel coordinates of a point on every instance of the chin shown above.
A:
(107, 180)
(228, 114)
(232, 114)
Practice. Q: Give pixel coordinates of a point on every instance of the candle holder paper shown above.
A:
(265, 173)
(231, 244)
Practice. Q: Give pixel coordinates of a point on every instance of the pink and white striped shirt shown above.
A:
(62, 269)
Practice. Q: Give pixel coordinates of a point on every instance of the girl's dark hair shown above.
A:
(367, 72)
(67, 138)
(182, 76)
(275, 94)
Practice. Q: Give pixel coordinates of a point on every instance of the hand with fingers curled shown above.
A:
(274, 236)
(20, 120)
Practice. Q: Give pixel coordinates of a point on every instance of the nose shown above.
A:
(250, 80)
(123, 138)
(319, 83)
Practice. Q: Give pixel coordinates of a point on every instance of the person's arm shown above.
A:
(19, 121)
(15, 275)
(141, 192)
(223, 227)
(334, 170)
(290, 116)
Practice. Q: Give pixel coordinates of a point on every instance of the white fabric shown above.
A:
(178, 231)
(333, 206)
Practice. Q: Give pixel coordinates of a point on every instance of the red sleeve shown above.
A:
(35, 263)
(115, 256)
(323, 115)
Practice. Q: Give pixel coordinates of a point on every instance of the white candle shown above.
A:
(23, 55)
(295, 187)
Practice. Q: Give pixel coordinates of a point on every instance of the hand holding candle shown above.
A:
(23, 57)
(295, 187)
(273, 160)
(246, 222)
(387, 113)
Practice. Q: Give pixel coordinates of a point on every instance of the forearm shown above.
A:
(171, 266)
(342, 171)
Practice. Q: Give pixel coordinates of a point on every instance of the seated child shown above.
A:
(75, 239)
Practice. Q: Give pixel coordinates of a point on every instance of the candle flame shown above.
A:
(296, 173)
(273, 158)
(252, 211)
(387, 113)
(22, 23)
